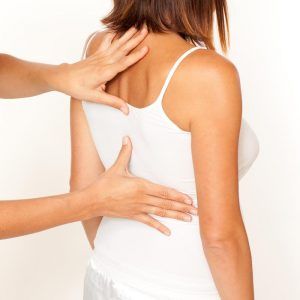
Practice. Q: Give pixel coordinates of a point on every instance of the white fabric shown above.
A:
(130, 256)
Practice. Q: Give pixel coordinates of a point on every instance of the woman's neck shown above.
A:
(166, 39)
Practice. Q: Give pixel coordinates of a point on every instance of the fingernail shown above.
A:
(167, 232)
(187, 218)
(188, 201)
(194, 212)
(145, 49)
(125, 140)
(124, 109)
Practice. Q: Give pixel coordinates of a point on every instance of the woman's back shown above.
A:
(158, 126)
(146, 84)
(141, 84)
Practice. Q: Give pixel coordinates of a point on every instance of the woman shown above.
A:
(186, 128)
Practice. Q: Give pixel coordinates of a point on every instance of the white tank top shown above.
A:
(132, 252)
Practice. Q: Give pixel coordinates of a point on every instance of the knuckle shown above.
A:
(168, 205)
(125, 49)
(164, 194)
(109, 59)
(123, 64)
(162, 212)
(186, 209)
(117, 43)
(153, 211)
(180, 216)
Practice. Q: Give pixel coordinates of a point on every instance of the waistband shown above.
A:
(149, 281)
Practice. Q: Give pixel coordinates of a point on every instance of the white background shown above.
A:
(35, 146)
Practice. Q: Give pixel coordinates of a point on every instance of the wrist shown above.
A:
(76, 207)
(52, 76)
(91, 200)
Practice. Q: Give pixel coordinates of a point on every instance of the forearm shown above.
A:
(231, 267)
(23, 217)
(20, 79)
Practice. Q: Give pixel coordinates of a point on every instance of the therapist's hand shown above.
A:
(86, 79)
(125, 196)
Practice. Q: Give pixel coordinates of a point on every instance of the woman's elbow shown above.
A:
(214, 239)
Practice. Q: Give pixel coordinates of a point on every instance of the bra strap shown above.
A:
(173, 70)
(87, 43)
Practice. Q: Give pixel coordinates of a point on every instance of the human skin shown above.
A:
(83, 80)
(86, 166)
(112, 193)
(209, 106)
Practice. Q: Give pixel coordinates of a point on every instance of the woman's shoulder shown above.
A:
(95, 40)
(205, 73)
(205, 81)
(208, 66)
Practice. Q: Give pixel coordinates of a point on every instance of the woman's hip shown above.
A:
(100, 285)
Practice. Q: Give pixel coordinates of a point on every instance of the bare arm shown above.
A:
(215, 124)
(86, 164)
(114, 193)
(215, 135)
(19, 78)
(83, 80)
(23, 217)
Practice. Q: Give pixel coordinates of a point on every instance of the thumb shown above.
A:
(124, 157)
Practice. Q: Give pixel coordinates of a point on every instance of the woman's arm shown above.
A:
(86, 165)
(215, 119)
(215, 127)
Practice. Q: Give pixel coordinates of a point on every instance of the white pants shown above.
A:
(99, 286)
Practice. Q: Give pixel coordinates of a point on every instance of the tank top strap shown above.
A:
(87, 43)
(173, 70)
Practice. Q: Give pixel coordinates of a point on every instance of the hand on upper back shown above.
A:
(86, 79)
(127, 196)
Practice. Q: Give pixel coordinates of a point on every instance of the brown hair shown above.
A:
(191, 19)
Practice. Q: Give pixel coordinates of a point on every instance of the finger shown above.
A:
(107, 99)
(124, 155)
(132, 43)
(165, 213)
(152, 222)
(124, 38)
(131, 59)
(163, 192)
(171, 205)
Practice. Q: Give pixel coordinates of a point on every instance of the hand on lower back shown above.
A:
(118, 193)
